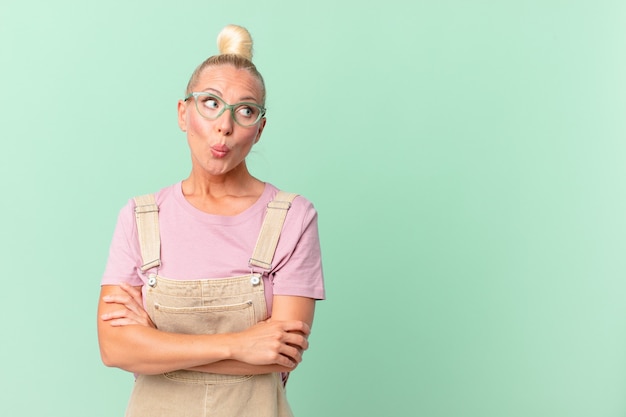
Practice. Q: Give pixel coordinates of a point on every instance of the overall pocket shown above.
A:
(211, 319)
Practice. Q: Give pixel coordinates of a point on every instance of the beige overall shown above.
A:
(208, 306)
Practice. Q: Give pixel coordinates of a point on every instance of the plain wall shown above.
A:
(466, 158)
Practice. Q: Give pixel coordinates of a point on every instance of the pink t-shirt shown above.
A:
(198, 245)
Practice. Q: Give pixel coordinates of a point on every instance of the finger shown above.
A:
(294, 354)
(121, 322)
(284, 360)
(134, 307)
(296, 326)
(123, 318)
(117, 298)
(134, 292)
(126, 300)
(297, 340)
(115, 315)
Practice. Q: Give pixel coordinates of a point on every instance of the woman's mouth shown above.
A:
(219, 151)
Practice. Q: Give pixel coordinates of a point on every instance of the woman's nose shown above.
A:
(225, 123)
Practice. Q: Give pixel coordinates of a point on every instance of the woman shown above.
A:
(209, 291)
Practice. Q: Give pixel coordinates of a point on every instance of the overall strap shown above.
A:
(147, 216)
(270, 230)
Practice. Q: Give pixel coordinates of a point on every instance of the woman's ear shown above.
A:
(182, 115)
(261, 127)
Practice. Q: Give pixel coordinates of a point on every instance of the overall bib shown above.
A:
(208, 306)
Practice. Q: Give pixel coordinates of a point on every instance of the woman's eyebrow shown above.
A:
(248, 98)
(219, 93)
(209, 89)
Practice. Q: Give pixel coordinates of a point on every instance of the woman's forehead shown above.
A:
(227, 80)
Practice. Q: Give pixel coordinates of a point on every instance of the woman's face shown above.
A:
(220, 146)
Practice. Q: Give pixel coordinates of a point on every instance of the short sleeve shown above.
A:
(124, 254)
(298, 258)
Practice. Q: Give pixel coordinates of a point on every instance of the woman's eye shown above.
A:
(211, 103)
(246, 111)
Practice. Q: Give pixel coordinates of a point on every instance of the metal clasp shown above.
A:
(282, 205)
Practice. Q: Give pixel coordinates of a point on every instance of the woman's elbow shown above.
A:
(113, 352)
(109, 357)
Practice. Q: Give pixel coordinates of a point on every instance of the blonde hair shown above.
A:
(235, 48)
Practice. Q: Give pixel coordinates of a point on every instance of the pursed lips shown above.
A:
(219, 150)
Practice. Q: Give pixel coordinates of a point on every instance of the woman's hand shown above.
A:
(131, 309)
(272, 342)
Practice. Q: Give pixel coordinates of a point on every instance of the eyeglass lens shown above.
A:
(211, 107)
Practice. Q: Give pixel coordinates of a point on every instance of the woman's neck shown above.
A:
(227, 194)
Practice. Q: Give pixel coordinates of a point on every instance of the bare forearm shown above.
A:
(232, 367)
(146, 350)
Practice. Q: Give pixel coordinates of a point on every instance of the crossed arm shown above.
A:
(129, 340)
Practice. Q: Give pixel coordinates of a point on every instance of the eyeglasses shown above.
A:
(211, 107)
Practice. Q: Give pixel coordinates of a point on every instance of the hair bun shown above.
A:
(235, 40)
